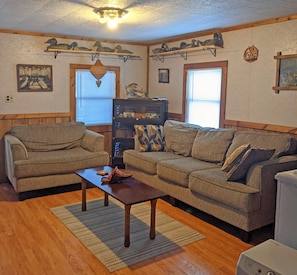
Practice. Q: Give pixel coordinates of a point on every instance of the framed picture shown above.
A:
(163, 75)
(34, 78)
(286, 72)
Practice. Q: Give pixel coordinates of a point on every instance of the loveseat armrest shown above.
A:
(15, 147)
(92, 141)
(14, 150)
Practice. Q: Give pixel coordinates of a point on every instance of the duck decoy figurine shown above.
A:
(119, 49)
(100, 48)
(164, 48)
(217, 40)
(74, 46)
(54, 44)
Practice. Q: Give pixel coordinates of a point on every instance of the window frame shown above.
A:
(73, 68)
(207, 65)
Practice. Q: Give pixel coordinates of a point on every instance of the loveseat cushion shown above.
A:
(212, 145)
(283, 143)
(58, 162)
(147, 161)
(177, 171)
(231, 194)
(50, 137)
(179, 136)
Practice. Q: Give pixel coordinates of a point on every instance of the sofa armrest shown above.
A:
(261, 176)
(92, 141)
(262, 172)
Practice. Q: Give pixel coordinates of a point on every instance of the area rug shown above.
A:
(101, 230)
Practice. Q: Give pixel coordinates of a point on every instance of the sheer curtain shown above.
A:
(203, 97)
(94, 104)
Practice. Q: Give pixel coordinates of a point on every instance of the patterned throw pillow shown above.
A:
(235, 157)
(141, 140)
(156, 137)
(149, 138)
(238, 172)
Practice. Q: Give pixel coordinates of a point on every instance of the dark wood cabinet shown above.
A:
(130, 112)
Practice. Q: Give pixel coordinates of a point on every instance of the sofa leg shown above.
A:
(245, 236)
(172, 201)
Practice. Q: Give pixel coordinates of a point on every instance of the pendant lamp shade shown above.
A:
(98, 70)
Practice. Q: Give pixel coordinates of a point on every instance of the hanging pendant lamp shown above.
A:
(98, 70)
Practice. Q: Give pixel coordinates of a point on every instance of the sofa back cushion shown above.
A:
(50, 137)
(179, 137)
(283, 143)
(211, 145)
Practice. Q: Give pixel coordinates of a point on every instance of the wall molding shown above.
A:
(244, 125)
(167, 40)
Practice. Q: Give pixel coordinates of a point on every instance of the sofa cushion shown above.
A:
(283, 143)
(147, 161)
(235, 157)
(251, 156)
(177, 171)
(212, 145)
(149, 138)
(50, 137)
(231, 194)
(58, 162)
(179, 137)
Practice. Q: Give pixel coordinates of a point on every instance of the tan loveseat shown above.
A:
(43, 156)
(190, 170)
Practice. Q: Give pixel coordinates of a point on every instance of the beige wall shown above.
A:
(249, 88)
(50, 107)
(25, 49)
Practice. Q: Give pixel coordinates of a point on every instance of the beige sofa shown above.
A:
(43, 156)
(222, 172)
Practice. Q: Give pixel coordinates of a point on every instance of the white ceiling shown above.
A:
(147, 21)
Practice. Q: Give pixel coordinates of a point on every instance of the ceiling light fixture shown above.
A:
(111, 16)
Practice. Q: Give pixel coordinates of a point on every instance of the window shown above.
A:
(205, 93)
(94, 104)
(203, 97)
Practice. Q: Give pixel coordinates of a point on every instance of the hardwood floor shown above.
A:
(33, 241)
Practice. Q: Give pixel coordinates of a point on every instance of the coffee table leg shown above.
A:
(127, 225)
(105, 199)
(153, 219)
(83, 195)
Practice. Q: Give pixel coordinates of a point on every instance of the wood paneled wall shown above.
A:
(7, 121)
(242, 125)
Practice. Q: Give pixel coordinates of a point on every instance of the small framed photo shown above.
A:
(163, 75)
(34, 78)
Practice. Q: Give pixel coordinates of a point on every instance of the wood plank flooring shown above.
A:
(33, 241)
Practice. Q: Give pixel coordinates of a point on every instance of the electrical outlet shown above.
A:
(9, 99)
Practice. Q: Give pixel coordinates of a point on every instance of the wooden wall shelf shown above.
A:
(184, 52)
(95, 54)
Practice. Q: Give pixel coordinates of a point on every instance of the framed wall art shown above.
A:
(163, 75)
(286, 72)
(34, 78)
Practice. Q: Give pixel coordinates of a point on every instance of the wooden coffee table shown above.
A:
(129, 192)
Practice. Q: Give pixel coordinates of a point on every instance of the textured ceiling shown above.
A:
(147, 21)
